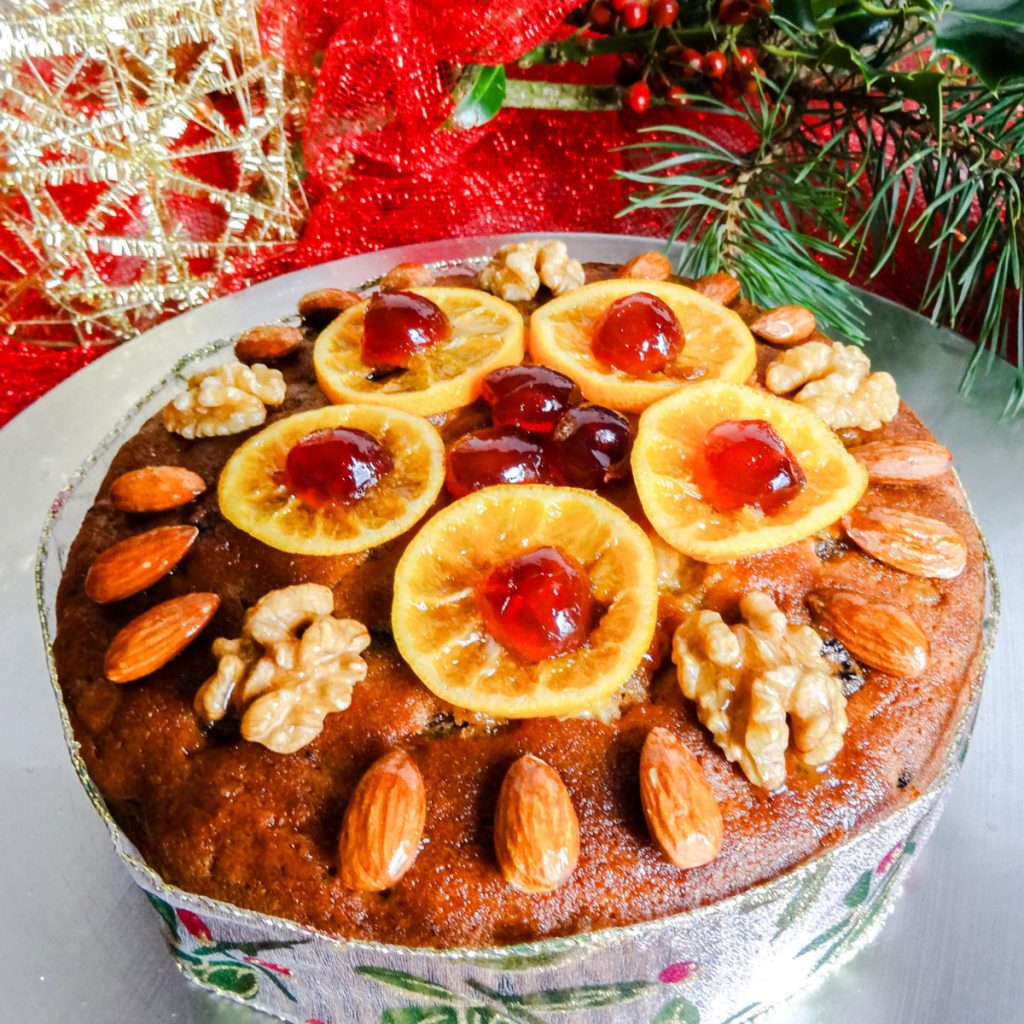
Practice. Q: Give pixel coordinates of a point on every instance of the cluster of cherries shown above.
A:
(541, 434)
(608, 15)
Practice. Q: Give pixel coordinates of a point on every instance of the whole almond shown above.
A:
(158, 635)
(320, 307)
(682, 815)
(723, 288)
(883, 636)
(383, 825)
(407, 275)
(903, 462)
(536, 832)
(156, 489)
(914, 544)
(784, 325)
(138, 562)
(267, 343)
(648, 266)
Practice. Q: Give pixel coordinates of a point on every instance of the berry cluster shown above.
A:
(541, 434)
(609, 15)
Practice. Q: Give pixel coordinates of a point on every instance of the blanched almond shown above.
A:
(407, 275)
(784, 325)
(681, 811)
(156, 488)
(880, 635)
(648, 266)
(536, 832)
(138, 562)
(902, 462)
(914, 544)
(723, 288)
(267, 342)
(157, 635)
(320, 307)
(383, 824)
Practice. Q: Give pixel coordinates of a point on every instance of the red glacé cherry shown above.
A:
(529, 397)
(338, 464)
(399, 325)
(745, 462)
(538, 605)
(590, 444)
(638, 334)
(500, 455)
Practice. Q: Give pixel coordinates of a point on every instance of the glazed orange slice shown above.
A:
(486, 332)
(440, 631)
(254, 495)
(716, 343)
(665, 454)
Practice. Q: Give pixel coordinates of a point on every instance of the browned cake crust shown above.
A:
(230, 819)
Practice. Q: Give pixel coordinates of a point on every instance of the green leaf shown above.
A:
(678, 1011)
(805, 897)
(923, 86)
(516, 961)
(478, 95)
(166, 911)
(826, 936)
(861, 30)
(582, 998)
(860, 890)
(988, 35)
(797, 12)
(485, 1015)
(233, 978)
(420, 1015)
(406, 982)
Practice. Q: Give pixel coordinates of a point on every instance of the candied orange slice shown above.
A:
(486, 333)
(668, 443)
(254, 496)
(440, 631)
(716, 343)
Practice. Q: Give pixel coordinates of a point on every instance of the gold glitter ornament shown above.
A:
(143, 144)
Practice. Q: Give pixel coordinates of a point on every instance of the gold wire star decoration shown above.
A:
(143, 145)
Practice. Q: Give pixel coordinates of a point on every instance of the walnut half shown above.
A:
(516, 271)
(293, 665)
(746, 678)
(226, 400)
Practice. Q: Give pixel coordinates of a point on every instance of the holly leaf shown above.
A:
(923, 86)
(406, 982)
(678, 1011)
(478, 95)
(421, 1015)
(796, 12)
(228, 977)
(582, 998)
(987, 35)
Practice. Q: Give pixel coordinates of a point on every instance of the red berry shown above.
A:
(337, 464)
(677, 96)
(693, 60)
(638, 334)
(638, 97)
(745, 59)
(714, 64)
(664, 12)
(590, 445)
(629, 69)
(500, 455)
(746, 462)
(735, 12)
(398, 326)
(538, 605)
(617, 5)
(634, 14)
(529, 397)
(601, 15)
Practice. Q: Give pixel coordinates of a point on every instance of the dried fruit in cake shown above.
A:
(715, 343)
(335, 480)
(497, 455)
(442, 634)
(415, 362)
(669, 463)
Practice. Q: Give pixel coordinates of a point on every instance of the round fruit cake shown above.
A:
(494, 607)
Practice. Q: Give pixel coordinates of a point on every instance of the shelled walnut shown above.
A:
(293, 665)
(225, 400)
(516, 271)
(747, 678)
(835, 382)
